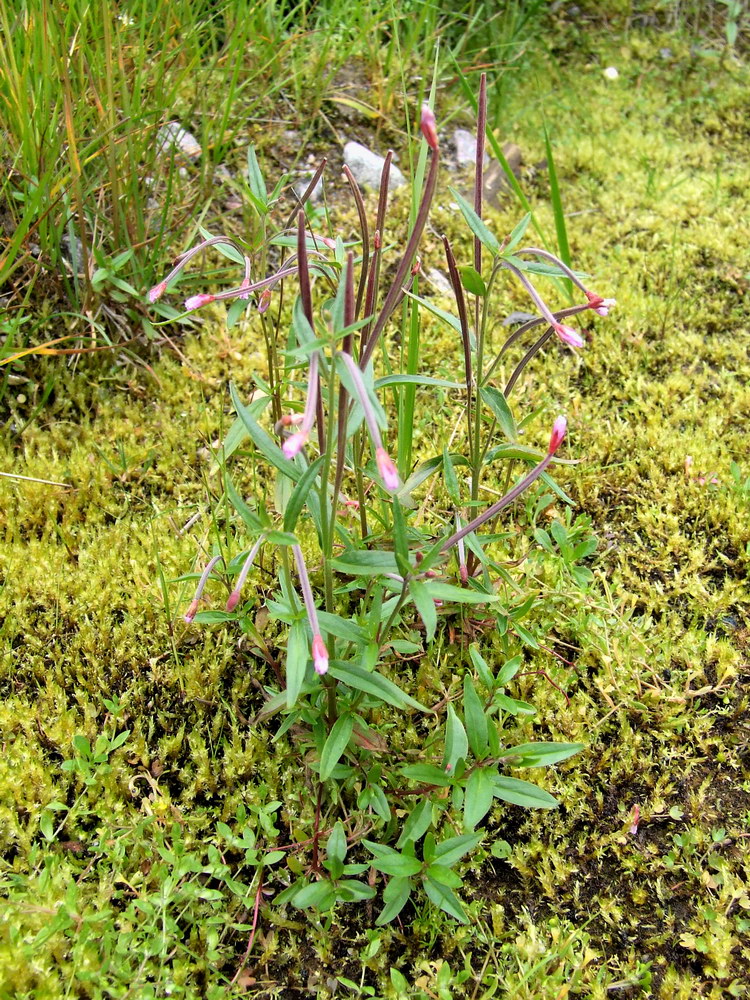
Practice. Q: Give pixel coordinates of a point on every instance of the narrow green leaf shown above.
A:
(299, 494)
(457, 595)
(477, 797)
(509, 670)
(364, 562)
(316, 895)
(542, 754)
(397, 864)
(557, 206)
(501, 411)
(452, 850)
(336, 844)
(395, 896)
(374, 684)
(456, 743)
(417, 823)
(255, 178)
(475, 720)
(451, 479)
(425, 605)
(522, 793)
(427, 774)
(335, 744)
(387, 380)
(518, 233)
(263, 441)
(482, 668)
(297, 656)
(480, 230)
(444, 897)
(446, 876)
(343, 628)
(472, 281)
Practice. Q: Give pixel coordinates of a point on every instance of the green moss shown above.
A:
(652, 657)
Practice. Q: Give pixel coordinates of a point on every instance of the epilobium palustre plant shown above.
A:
(363, 582)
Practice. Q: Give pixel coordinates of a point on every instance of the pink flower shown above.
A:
(600, 305)
(387, 469)
(157, 291)
(196, 301)
(294, 444)
(233, 600)
(319, 655)
(568, 335)
(428, 126)
(558, 433)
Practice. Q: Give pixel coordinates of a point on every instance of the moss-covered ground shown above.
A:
(116, 890)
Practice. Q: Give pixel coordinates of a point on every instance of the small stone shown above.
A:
(302, 184)
(611, 73)
(466, 148)
(439, 281)
(367, 167)
(173, 136)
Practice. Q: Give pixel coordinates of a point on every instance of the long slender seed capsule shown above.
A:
(558, 432)
(319, 651)
(234, 598)
(395, 292)
(195, 603)
(364, 229)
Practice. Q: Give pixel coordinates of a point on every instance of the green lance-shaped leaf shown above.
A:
(375, 684)
(456, 743)
(522, 793)
(542, 754)
(501, 411)
(478, 796)
(425, 605)
(476, 720)
(335, 744)
(445, 898)
(395, 896)
(297, 655)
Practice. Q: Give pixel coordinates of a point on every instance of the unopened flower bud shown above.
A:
(429, 126)
(192, 611)
(157, 291)
(196, 301)
(264, 300)
(416, 266)
(558, 433)
(233, 600)
(387, 469)
(319, 655)
(376, 239)
(568, 335)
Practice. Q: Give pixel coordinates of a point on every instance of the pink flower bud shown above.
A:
(319, 655)
(233, 600)
(387, 469)
(428, 126)
(245, 284)
(376, 239)
(416, 266)
(192, 611)
(294, 445)
(264, 301)
(328, 242)
(568, 335)
(558, 433)
(157, 291)
(196, 301)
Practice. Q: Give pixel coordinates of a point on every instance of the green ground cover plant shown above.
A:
(142, 803)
